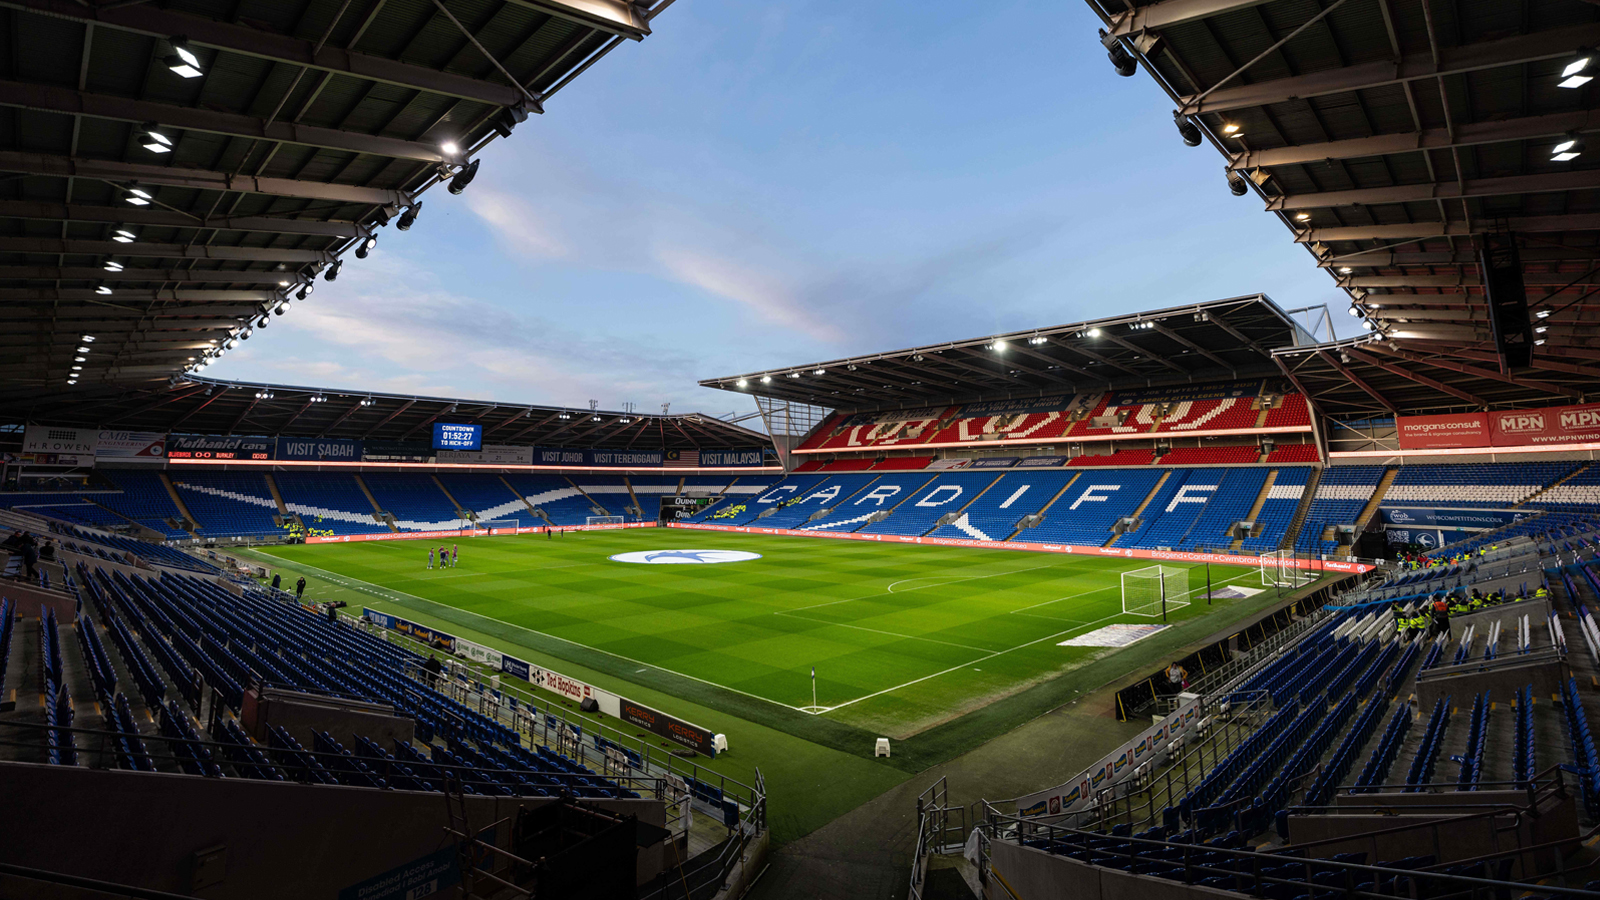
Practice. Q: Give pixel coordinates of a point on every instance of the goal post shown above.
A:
(1278, 569)
(496, 526)
(1154, 590)
(604, 520)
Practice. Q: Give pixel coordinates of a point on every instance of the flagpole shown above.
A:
(813, 688)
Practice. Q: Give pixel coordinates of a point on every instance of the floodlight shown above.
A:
(103, 290)
(743, 383)
(87, 339)
(113, 266)
(464, 177)
(123, 236)
(86, 359)
(1355, 310)
(766, 379)
(507, 119)
(137, 196)
(366, 246)
(1187, 128)
(1093, 332)
(83, 350)
(449, 148)
(1120, 58)
(1231, 129)
(1570, 148)
(409, 217)
(1237, 184)
(999, 346)
(1302, 217)
(1345, 270)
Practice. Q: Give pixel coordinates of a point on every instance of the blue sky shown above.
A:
(758, 185)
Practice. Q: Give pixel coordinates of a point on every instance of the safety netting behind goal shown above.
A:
(1154, 590)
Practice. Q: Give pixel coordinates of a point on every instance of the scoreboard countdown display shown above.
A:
(457, 437)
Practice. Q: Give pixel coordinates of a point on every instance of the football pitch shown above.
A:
(903, 638)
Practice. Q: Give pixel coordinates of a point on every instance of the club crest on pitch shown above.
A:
(659, 557)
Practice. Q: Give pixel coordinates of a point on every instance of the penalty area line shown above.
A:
(1000, 652)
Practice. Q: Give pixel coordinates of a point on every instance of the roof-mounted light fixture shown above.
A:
(183, 60)
(1570, 147)
(153, 139)
(1124, 62)
(1572, 74)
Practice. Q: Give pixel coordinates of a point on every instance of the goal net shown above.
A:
(1154, 590)
(498, 525)
(604, 520)
(1278, 569)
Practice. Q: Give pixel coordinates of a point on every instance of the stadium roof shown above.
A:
(209, 406)
(1220, 340)
(1388, 137)
(266, 139)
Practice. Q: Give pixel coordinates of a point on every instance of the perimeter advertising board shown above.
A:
(131, 447)
(320, 450)
(48, 445)
(1117, 766)
(490, 455)
(1514, 428)
(676, 730)
(729, 458)
(220, 447)
(1443, 432)
(685, 734)
(1552, 425)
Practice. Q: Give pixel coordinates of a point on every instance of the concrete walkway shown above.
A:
(866, 853)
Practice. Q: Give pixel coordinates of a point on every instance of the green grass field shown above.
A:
(942, 648)
(903, 638)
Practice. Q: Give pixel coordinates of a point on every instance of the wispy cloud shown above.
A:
(394, 327)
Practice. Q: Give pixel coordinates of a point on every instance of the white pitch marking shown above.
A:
(1000, 652)
(339, 579)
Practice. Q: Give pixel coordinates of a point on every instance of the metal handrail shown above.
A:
(1463, 885)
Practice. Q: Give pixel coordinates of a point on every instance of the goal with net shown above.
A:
(497, 526)
(1154, 590)
(1278, 569)
(604, 520)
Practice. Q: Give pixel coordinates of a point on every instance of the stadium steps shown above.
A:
(1554, 484)
(1261, 419)
(1255, 508)
(1371, 509)
(27, 682)
(587, 496)
(1292, 533)
(536, 512)
(1046, 508)
(283, 508)
(635, 497)
(1156, 489)
(189, 523)
(378, 515)
(953, 516)
(461, 511)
